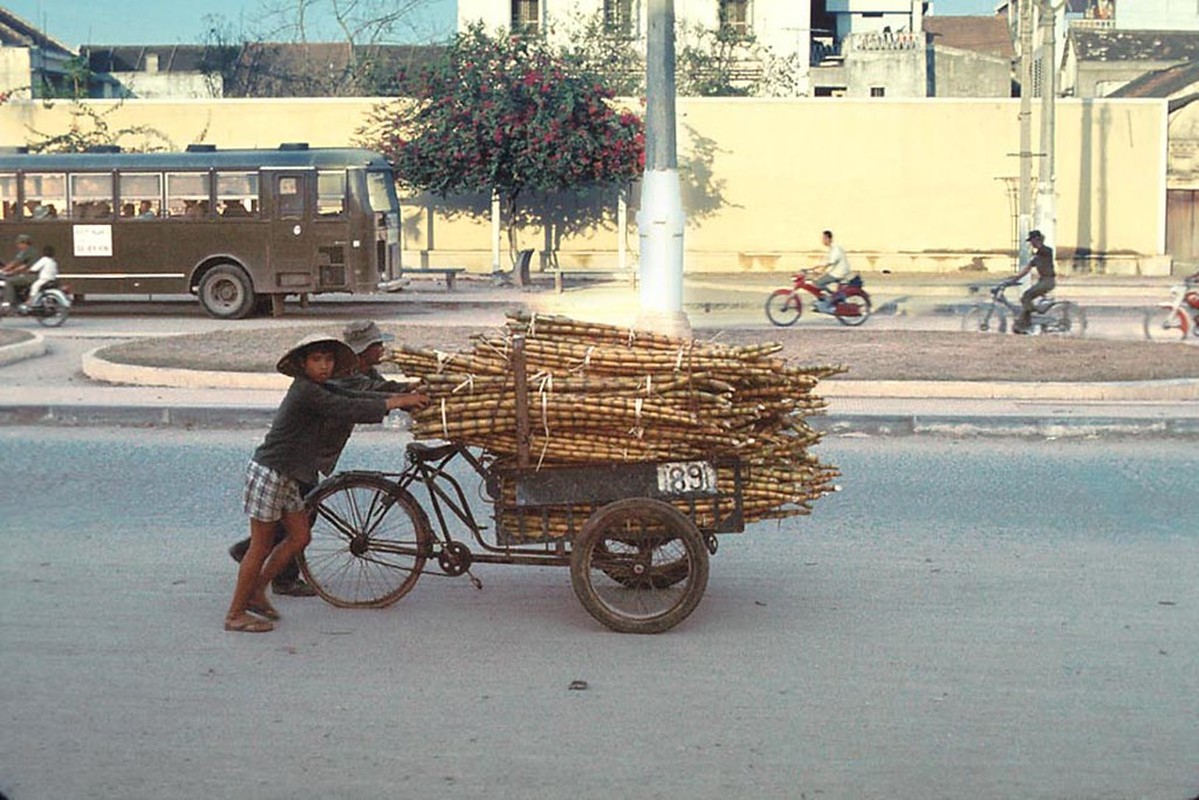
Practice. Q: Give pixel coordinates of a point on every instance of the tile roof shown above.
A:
(980, 34)
(1124, 45)
(1162, 82)
(16, 32)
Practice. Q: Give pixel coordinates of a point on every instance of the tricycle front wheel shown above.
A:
(370, 541)
(639, 566)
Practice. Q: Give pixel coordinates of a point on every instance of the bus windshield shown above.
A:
(382, 192)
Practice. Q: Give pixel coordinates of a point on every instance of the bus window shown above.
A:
(237, 194)
(141, 195)
(91, 196)
(187, 194)
(331, 194)
(289, 197)
(45, 194)
(8, 197)
(382, 192)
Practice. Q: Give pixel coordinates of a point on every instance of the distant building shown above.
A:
(1098, 62)
(33, 64)
(969, 56)
(259, 69)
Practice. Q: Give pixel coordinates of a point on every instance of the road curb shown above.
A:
(1175, 390)
(32, 347)
(98, 368)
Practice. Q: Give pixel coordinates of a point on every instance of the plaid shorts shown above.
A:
(270, 495)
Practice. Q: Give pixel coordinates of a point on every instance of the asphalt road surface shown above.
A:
(967, 618)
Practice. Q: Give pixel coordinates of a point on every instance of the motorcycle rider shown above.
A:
(17, 273)
(835, 270)
(1042, 262)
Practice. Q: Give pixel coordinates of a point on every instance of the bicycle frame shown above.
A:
(448, 500)
(1180, 306)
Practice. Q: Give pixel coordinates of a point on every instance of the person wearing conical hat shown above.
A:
(288, 457)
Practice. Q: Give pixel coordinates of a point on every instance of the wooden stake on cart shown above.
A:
(522, 401)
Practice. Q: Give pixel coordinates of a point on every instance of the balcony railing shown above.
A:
(875, 41)
(1087, 24)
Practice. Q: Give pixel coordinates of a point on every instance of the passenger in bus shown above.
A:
(35, 210)
(234, 208)
(18, 273)
(145, 210)
(127, 210)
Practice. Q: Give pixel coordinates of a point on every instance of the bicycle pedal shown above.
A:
(478, 584)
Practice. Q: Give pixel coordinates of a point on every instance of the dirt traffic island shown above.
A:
(870, 355)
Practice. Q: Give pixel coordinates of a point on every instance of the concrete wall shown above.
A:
(15, 73)
(920, 185)
(965, 73)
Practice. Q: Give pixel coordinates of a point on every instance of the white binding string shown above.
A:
(445, 423)
(468, 384)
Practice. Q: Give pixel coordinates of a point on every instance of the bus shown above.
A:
(241, 228)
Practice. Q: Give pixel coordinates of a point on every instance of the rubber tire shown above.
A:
(863, 302)
(1072, 319)
(56, 300)
(1155, 323)
(604, 529)
(985, 319)
(371, 503)
(784, 307)
(226, 292)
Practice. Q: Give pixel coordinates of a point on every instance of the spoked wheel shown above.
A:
(783, 307)
(853, 310)
(985, 319)
(369, 543)
(1069, 319)
(1168, 326)
(54, 308)
(639, 566)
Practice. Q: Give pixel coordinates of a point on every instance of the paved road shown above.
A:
(966, 619)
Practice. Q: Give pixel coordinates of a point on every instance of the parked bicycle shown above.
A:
(1049, 315)
(849, 302)
(1177, 319)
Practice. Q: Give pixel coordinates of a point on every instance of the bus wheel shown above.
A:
(226, 293)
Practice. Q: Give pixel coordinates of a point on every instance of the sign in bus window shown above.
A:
(330, 194)
(91, 196)
(290, 197)
(141, 195)
(45, 194)
(188, 194)
(237, 194)
(8, 197)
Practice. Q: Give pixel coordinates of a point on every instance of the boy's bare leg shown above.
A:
(298, 535)
(262, 539)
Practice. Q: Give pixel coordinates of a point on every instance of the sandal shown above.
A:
(248, 625)
(264, 610)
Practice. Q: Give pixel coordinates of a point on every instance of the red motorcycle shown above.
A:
(849, 302)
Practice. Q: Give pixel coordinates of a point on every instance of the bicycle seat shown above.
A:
(418, 452)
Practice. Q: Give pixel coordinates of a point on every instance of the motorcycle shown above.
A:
(1181, 314)
(50, 306)
(849, 302)
(1048, 316)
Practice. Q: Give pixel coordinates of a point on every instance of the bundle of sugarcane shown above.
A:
(598, 393)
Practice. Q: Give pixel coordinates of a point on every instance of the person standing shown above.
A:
(835, 270)
(18, 272)
(289, 456)
(1042, 262)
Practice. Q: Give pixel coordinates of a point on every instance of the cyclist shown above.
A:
(1042, 262)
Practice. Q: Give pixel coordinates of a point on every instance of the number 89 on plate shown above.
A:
(686, 477)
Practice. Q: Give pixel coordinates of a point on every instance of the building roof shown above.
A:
(980, 34)
(16, 32)
(1168, 82)
(1124, 45)
(273, 69)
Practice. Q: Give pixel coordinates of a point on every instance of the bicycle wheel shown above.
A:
(1068, 320)
(783, 307)
(54, 308)
(1165, 327)
(369, 543)
(853, 310)
(985, 318)
(626, 560)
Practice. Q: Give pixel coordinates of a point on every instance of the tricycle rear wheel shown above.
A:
(370, 541)
(639, 566)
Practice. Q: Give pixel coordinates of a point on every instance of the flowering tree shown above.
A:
(507, 114)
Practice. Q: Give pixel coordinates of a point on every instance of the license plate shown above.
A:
(686, 477)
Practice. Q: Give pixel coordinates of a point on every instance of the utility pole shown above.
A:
(660, 222)
(1046, 216)
(1024, 211)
